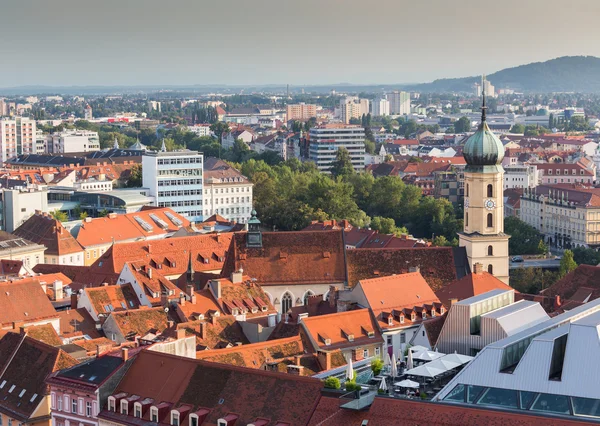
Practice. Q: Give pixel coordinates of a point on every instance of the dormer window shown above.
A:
(442, 310)
(234, 311)
(193, 420)
(433, 312)
(137, 410)
(401, 319)
(390, 320)
(124, 407)
(174, 418)
(263, 308)
(154, 414)
(413, 316)
(111, 403)
(424, 315)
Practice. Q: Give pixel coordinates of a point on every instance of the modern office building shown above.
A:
(174, 179)
(73, 141)
(381, 107)
(399, 103)
(326, 139)
(17, 136)
(301, 111)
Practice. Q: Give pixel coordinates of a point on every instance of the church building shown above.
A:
(483, 236)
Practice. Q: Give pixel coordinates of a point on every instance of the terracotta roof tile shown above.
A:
(77, 322)
(139, 322)
(567, 288)
(469, 286)
(44, 333)
(22, 301)
(45, 230)
(224, 332)
(110, 298)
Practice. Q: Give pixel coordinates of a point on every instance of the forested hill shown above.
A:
(565, 74)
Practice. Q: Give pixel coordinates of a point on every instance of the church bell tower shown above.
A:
(483, 235)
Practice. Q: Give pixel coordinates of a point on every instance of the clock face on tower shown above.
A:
(490, 204)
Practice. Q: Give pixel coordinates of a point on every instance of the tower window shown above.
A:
(467, 189)
(490, 220)
(490, 269)
(466, 219)
(490, 190)
(490, 251)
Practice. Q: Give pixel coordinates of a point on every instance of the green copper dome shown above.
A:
(484, 150)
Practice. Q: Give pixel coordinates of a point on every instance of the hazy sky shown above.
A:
(110, 42)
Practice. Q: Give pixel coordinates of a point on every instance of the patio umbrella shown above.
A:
(383, 385)
(387, 361)
(409, 360)
(407, 384)
(349, 371)
(394, 366)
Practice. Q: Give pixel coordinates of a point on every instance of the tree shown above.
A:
(532, 280)
(342, 165)
(462, 125)
(450, 130)
(376, 366)
(83, 215)
(578, 123)
(586, 256)
(60, 216)
(517, 128)
(219, 128)
(524, 239)
(332, 383)
(135, 177)
(370, 146)
(567, 264)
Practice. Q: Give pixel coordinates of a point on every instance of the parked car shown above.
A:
(517, 259)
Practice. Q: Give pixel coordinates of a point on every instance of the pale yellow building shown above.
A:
(301, 111)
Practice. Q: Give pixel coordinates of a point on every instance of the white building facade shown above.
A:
(327, 139)
(73, 141)
(175, 180)
(17, 136)
(399, 103)
(524, 176)
(381, 107)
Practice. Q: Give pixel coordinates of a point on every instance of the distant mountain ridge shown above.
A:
(564, 74)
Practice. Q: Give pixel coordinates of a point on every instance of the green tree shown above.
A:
(59, 215)
(219, 128)
(462, 125)
(135, 177)
(578, 123)
(532, 280)
(567, 264)
(376, 366)
(450, 130)
(83, 215)
(342, 165)
(370, 146)
(332, 383)
(517, 128)
(524, 239)
(586, 256)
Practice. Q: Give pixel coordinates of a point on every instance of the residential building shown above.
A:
(99, 302)
(399, 103)
(88, 113)
(449, 185)
(200, 129)
(380, 107)
(227, 192)
(135, 324)
(475, 322)
(228, 139)
(326, 139)
(17, 248)
(73, 141)
(150, 287)
(174, 179)
(567, 215)
(399, 304)
(17, 136)
(301, 111)
(20, 202)
(353, 107)
(24, 303)
(98, 234)
(78, 393)
(565, 173)
(266, 397)
(354, 333)
(548, 367)
(483, 235)
(61, 247)
(25, 363)
(524, 176)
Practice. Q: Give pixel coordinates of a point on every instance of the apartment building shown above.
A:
(17, 136)
(567, 215)
(326, 139)
(521, 176)
(200, 129)
(227, 192)
(73, 141)
(557, 173)
(353, 107)
(399, 103)
(175, 180)
(301, 111)
(380, 107)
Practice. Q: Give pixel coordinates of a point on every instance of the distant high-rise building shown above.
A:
(73, 141)
(17, 136)
(325, 140)
(381, 107)
(88, 112)
(301, 111)
(489, 88)
(3, 107)
(399, 103)
(353, 107)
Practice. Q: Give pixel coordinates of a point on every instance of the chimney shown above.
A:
(213, 319)
(453, 301)
(297, 360)
(97, 351)
(125, 354)
(557, 302)
(203, 329)
(236, 277)
(22, 331)
(58, 290)
(74, 301)
(180, 333)
(190, 290)
(149, 272)
(193, 299)
(478, 268)
(414, 269)
(182, 299)
(333, 295)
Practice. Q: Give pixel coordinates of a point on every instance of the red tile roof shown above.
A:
(217, 390)
(24, 301)
(567, 288)
(342, 330)
(245, 296)
(117, 297)
(44, 333)
(128, 227)
(219, 332)
(153, 283)
(25, 363)
(469, 286)
(139, 322)
(290, 257)
(45, 230)
(77, 322)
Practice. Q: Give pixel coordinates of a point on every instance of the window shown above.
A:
(286, 302)
(124, 407)
(88, 409)
(551, 403)
(154, 414)
(490, 220)
(457, 394)
(490, 190)
(59, 403)
(490, 251)
(473, 392)
(377, 351)
(365, 353)
(193, 420)
(402, 338)
(490, 269)
(466, 219)
(496, 397)
(174, 418)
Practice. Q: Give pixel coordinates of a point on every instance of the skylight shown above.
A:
(3, 383)
(159, 221)
(145, 225)
(176, 221)
(33, 397)
(22, 393)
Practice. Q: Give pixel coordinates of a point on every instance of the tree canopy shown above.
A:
(524, 239)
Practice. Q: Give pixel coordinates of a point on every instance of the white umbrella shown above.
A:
(394, 366)
(387, 360)
(407, 384)
(409, 360)
(349, 371)
(383, 385)
(426, 370)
